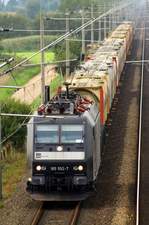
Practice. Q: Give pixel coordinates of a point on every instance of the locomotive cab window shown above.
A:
(72, 133)
(47, 134)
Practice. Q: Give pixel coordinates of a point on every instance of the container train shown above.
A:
(64, 147)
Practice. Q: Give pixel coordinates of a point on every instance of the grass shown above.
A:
(49, 56)
(36, 103)
(13, 171)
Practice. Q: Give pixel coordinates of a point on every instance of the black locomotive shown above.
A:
(64, 148)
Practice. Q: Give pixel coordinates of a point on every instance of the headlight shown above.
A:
(38, 168)
(80, 168)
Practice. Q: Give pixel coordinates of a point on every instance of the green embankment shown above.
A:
(23, 75)
(49, 56)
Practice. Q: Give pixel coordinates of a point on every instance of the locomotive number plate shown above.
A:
(59, 168)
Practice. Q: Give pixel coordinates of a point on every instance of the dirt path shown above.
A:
(32, 89)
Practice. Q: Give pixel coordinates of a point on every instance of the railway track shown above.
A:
(142, 215)
(43, 215)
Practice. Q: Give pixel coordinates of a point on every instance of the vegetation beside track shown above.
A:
(49, 56)
(11, 124)
(14, 169)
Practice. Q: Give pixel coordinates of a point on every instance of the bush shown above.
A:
(11, 124)
(16, 21)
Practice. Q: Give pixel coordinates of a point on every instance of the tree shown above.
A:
(78, 4)
(2, 5)
(60, 54)
(13, 20)
(12, 5)
(33, 8)
(74, 4)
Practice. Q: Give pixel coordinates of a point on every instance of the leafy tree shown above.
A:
(10, 124)
(60, 54)
(78, 4)
(2, 5)
(74, 4)
(16, 21)
(33, 8)
(12, 5)
(53, 5)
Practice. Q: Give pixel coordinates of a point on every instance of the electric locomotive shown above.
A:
(64, 148)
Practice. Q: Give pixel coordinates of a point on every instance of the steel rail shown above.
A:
(140, 131)
(75, 214)
(38, 214)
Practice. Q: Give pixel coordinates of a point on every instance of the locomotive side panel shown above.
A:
(30, 144)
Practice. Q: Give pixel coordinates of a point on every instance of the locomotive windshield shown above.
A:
(52, 134)
(47, 134)
(72, 134)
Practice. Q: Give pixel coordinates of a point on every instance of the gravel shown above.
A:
(19, 209)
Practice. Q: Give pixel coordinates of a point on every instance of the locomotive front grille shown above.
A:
(60, 181)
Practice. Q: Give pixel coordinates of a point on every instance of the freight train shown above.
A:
(64, 146)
